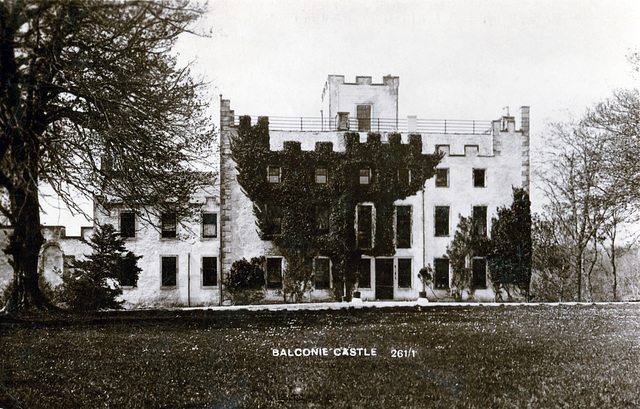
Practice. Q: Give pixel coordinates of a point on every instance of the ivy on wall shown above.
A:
(291, 211)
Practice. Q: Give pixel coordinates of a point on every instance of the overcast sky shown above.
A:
(456, 59)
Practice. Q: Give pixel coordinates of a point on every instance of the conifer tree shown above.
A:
(95, 283)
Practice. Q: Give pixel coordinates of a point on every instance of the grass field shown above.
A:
(467, 357)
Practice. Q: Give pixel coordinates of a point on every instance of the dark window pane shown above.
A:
(274, 273)
(322, 219)
(442, 273)
(403, 227)
(127, 224)
(479, 279)
(168, 225)
(365, 227)
(404, 177)
(209, 271)
(209, 225)
(273, 222)
(404, 272)
(442, 177)
(478, 178)
(364, 118)
(442, 220)
(169, 273)
(364, 269)
(322, 272)
(480, 220)
(128, 271)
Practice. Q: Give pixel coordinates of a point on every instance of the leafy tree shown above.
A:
(95, 283)
(305, 219)
(91, 100)
(510, 249)
(245, 281)
(466, 245)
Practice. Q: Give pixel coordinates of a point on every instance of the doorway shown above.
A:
(384, 279)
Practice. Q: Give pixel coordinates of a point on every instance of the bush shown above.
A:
(94, 283)
(245, 282)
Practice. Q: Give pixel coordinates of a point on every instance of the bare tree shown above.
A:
(554, 278)
(92, 100)
(573, 183)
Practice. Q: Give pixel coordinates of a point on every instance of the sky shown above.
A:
(456, 59)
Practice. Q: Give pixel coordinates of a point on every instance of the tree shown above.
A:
(551, 260)
(91, 100)
(465, 246)
(580, 194)
(95, 283)
(510, 247)
(305, 219)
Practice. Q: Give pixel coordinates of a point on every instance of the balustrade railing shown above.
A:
(314, 124)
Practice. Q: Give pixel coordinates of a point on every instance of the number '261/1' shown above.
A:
(403, 353)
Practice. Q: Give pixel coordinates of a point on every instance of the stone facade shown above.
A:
(192, 275)
(483, 161)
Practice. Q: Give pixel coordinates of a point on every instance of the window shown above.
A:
(127, 224)
(209, 271)
(479, 279)
(169, 271)
(322, 176)
(480, 220)
(479, 178)
(274, 272)
(442, 273)
(404, 177)
(442, 220)
(365, 176)
(364, 270)
(209, 225)
(273, 174)
(67, 263)
(442, 177)
(365, 226)
(363, 113)
(168, 225)
(274, 220)
(129, 272)
(322, 219)
(322, 273)
(403, 227)
(404, 272)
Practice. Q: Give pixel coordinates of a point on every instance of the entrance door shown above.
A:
(384, 279)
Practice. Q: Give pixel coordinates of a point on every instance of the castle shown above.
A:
(184, 264)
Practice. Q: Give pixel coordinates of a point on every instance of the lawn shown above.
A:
(467, 357)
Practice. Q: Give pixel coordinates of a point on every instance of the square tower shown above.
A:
(362, 101)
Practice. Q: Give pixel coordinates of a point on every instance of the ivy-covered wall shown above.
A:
(292, 209)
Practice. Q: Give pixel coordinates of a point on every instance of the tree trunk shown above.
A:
(24, 248)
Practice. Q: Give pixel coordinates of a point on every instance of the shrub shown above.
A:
(245, 282)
